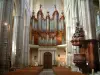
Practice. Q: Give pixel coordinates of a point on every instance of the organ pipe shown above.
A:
(47, 29)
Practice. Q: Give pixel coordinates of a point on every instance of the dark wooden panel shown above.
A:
(47, 60)
(89, 48)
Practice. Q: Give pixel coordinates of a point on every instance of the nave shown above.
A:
(47, 72)
(41, 71)
(67, 32)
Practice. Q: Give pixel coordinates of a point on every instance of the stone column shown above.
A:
(19, 43)
(86, 18)
(66, 56)
(27, 15)
(22, 43)
(71, 17)
(99, 5)
(1, 13)
(14, 40)
(29, 63)
(39, 57)
(26, 40)
(5, 34)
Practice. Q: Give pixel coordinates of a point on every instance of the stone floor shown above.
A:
(47, 72)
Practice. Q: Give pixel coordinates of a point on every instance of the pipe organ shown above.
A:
(49, 31)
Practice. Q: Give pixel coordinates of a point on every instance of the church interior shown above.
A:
(50, 37)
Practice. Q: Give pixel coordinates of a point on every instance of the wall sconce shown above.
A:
(35, 57)
(87, 63)
(5, 23)
(58, 55)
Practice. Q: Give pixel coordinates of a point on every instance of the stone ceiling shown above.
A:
(96, 2)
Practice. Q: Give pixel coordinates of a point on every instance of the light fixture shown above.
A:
(5, 23)
(58, 55)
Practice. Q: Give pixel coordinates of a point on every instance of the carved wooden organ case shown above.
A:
(47, 31)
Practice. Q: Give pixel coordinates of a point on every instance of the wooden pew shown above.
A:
(26, 71)
(64, 71)
(22, 72)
